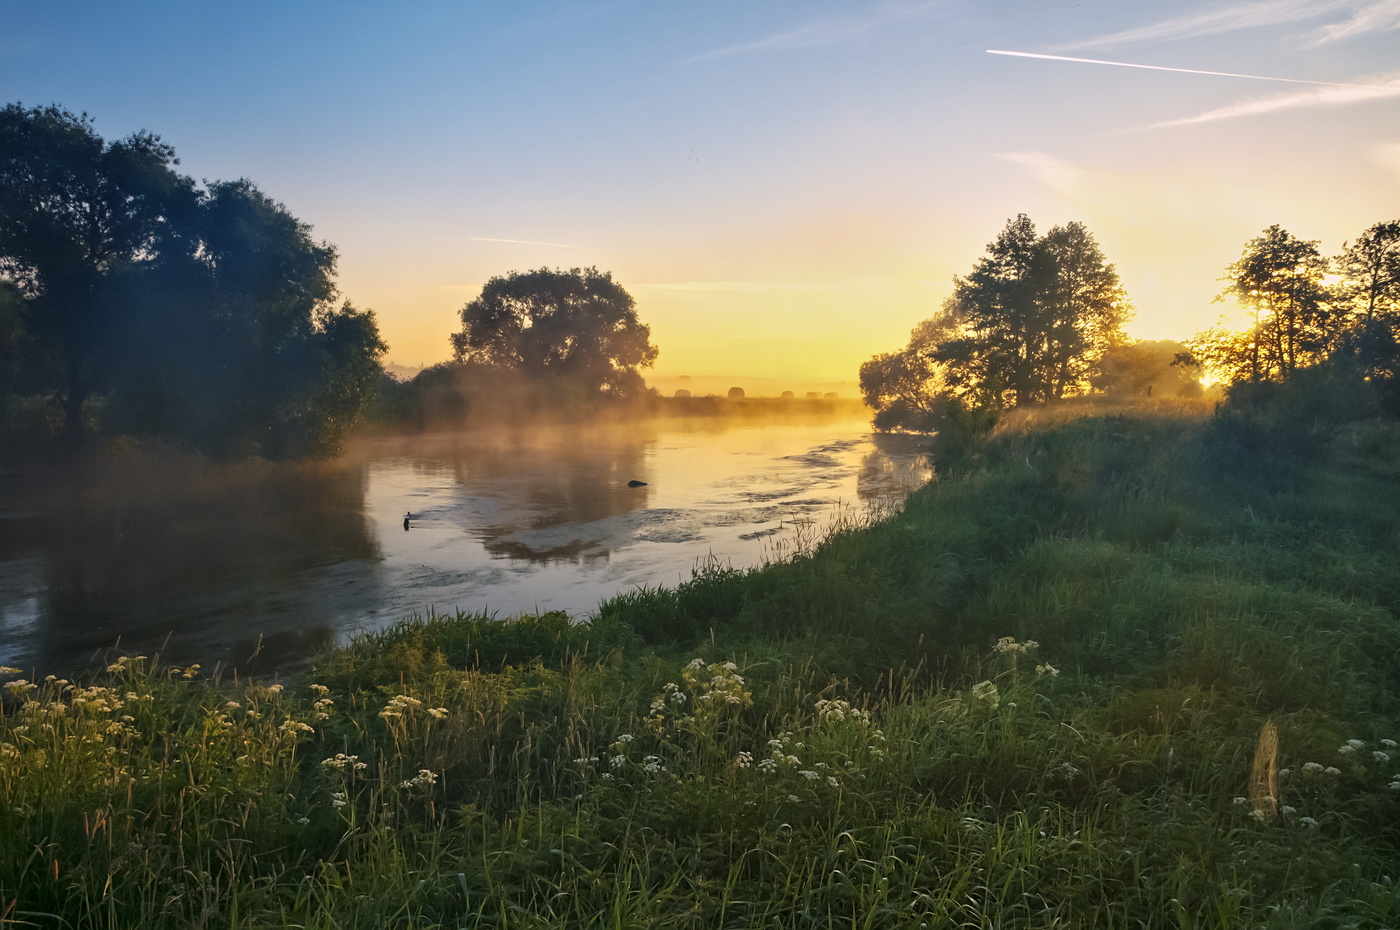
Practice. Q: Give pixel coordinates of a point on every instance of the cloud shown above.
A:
(1388, 157)
(1214, 21)
(553, 245)
(1383, 87)
(730, 287)
(1359, 18)
(834, 30)
(1381, 16)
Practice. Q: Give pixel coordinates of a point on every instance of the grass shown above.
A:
(1045, 694)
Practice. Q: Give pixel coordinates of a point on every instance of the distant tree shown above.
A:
(1146, 369)
(577, 328)
(736, 393)
(1027, 325)
(81, 220)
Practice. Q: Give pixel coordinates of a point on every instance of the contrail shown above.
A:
(1127, 64)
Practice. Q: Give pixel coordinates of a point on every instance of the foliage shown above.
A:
(576, 329)
(80, 218)
(205, 316)
(1033, 698)
(1279, 280)
(1028, 325)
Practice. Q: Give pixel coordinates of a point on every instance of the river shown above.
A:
(258, 566)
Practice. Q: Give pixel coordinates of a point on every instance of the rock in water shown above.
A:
(634, 483)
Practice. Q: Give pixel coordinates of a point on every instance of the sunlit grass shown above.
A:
(1033, 698)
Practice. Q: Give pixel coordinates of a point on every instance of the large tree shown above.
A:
(208, 316)
(1026, 325)
(80, 219)
(577, 329)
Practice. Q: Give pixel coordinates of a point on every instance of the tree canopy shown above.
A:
(577, 329)
(1027, 325)
(206, 315)
(1306, 310)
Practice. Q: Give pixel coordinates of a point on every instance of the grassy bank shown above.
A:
(1117, 671)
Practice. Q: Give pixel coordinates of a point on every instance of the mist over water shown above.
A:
(213, 565)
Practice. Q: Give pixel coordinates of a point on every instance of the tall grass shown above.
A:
(1032, 698)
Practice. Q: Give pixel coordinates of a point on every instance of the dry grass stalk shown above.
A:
(1263, 777)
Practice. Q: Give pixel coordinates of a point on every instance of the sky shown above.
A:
(786, 188)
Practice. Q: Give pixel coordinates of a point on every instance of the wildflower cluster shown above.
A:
(830, 712)
(323, 706)
(1007, 645)
(424, 777)
(986, 692)
(706, 691)
(343, 763)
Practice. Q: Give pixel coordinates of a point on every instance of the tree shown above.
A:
(208, 316)
(576, 328)
(1369, 294)
(79, 219)
(246, 351)
(1370, 274)
(1279, 280)
(1027, 325)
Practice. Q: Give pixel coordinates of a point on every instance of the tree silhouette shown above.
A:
(207, 316)
(577, 328)
(1026, 325)
(80, 220)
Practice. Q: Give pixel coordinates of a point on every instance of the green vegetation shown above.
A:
(1112, 669)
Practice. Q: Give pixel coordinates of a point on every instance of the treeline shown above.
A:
(1040, 318)
(134, 301)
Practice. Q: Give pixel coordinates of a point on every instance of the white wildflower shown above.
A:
(743, 760)
(987, 691)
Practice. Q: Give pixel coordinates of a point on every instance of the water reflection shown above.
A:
(259, 567)
(180, 557)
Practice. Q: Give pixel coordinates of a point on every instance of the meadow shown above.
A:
(1112, 668)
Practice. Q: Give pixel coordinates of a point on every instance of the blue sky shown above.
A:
(785, 187)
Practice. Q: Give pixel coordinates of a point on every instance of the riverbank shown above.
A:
(1135, 670)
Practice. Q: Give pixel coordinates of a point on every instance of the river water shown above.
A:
(258, 566)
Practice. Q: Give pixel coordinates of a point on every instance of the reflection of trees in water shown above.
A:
(191, 552)
(895, 466)
(568, 476)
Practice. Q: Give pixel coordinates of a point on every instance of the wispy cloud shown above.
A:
(729, 287)
(1381, 16)
(833, 30)
(1360, 17)
(1388, 157)
(1384, 87)
(553, 245)
(1126, 64)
